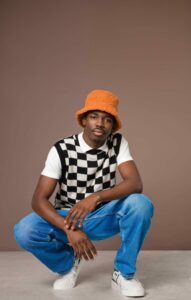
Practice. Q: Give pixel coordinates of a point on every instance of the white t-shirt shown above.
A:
(53, 168)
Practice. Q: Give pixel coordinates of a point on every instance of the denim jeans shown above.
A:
(130, 217)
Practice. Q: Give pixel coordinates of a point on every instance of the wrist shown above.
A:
(98, 199)
(64, 228)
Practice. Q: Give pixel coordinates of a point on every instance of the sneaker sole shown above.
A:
(115, 286)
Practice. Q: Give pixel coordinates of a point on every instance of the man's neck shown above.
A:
(93, 144)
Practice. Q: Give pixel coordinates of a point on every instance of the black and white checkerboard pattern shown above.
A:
(85, 173)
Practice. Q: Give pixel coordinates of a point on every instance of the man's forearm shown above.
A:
(45, 209)
(121, 190)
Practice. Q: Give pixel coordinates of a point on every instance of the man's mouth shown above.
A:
(98, 132)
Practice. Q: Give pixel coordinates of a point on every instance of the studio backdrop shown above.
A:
(53, 53)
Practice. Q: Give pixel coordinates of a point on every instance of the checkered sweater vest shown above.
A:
(84, 173)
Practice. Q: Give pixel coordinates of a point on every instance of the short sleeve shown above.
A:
(52, 167)
(124, 152)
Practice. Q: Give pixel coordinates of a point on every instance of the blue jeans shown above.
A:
(129, 216)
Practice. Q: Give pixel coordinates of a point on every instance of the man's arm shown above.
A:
(41, 204)
(82, 245)
(130, 184)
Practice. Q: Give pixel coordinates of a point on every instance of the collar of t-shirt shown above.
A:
(85, 147)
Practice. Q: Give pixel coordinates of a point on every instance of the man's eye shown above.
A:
(108, 120)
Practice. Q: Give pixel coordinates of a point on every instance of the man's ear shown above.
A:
(114, 125)
(83, 121)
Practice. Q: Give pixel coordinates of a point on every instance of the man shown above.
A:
(89, 205)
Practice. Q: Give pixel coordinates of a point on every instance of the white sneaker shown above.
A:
(128, 287)
(68, 280)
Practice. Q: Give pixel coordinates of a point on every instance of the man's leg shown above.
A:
(45, 241)
(129, 216)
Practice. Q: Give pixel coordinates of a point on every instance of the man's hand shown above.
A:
(80, 210)
(82, 245)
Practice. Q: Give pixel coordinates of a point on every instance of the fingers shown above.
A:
(82, 218)
(88, 251)
(77, 251)
(72, 219)
(82, 245)
(70, 215)
(85, 249)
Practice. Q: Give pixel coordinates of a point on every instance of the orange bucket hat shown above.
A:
(101, 100)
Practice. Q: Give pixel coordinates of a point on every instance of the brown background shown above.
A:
(53, 53)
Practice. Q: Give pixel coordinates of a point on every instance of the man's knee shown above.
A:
(140, 204)
(22, 233)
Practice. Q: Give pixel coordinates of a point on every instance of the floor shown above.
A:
(166, 275)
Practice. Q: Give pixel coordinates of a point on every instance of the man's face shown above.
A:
(97, 125)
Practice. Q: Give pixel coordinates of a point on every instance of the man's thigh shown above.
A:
(103, 222)
(34, 225)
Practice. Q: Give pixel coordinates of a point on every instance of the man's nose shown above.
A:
(100, 122)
